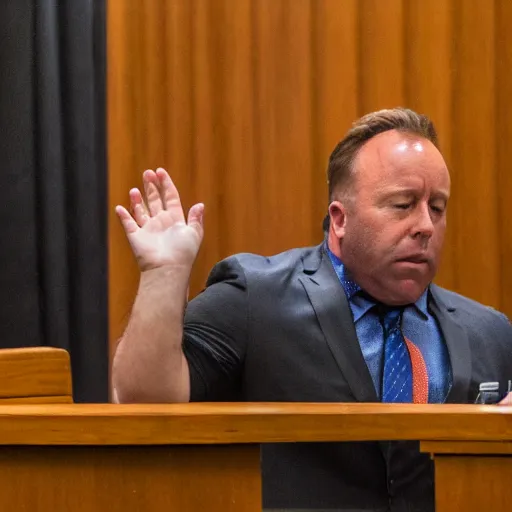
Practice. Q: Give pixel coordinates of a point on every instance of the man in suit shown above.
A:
(356, 318)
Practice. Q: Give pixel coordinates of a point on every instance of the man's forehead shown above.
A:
(396, 153)
(395, 143)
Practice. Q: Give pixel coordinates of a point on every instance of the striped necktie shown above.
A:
(397, 373)
(404, 377)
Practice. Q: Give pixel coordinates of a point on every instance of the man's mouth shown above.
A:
(414, 258)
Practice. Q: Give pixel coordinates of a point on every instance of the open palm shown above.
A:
(158, 233)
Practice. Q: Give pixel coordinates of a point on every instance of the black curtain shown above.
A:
(53, 180)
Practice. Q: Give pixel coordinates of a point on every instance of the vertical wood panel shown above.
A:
(151, 115)
(136, 48)
(239, 207)
(335, 89)
(474, 172)
(283, 122)
(381, 54)
(503, 63)
(428, 89)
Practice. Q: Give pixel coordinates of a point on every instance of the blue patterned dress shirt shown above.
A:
(418, 324)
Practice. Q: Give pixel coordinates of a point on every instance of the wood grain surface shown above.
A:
(35, 374)
(110, 424)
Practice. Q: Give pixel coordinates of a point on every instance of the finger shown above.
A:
(152, 192)
(170, 195)
(195, 218)
(140, 214)
(507, 400)
(128, 222)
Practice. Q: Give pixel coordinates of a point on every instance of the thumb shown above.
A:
(195, 218)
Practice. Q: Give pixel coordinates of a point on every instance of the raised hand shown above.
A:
(158, 233)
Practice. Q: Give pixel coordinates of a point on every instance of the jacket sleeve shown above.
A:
(215, 334)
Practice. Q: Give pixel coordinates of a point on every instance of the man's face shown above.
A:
(389, 231)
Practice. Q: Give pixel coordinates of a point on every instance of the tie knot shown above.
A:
(390, 317)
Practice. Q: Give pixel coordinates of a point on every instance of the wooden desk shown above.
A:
(205, 457)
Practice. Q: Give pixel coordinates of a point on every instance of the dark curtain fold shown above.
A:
(53, 180)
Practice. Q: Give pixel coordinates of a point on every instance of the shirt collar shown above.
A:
(362, 303)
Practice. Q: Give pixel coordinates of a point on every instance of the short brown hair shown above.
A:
(402, 119)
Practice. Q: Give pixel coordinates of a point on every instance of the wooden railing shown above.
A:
(205, 457)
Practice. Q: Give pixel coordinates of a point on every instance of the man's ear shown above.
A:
(337, 214)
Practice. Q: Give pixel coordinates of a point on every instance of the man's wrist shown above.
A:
(168, 275)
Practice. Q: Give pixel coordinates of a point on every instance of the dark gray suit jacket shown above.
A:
(280, 329)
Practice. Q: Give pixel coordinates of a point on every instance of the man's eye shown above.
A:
(403, 206)
(437, 209)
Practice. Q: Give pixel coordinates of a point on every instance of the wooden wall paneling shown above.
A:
(137, 49)
(428, 90)
(474, 174)
(503, 63)
(238, 204)
(381, 57)
(283, 118)
(335, 92)
(296, 166)
(152, 111)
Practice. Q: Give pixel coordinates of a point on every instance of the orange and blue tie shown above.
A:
(405, 377)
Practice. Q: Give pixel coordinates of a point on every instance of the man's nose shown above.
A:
(424, 226)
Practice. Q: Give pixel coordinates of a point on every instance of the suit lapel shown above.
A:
(334, 316)
(458, 347)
